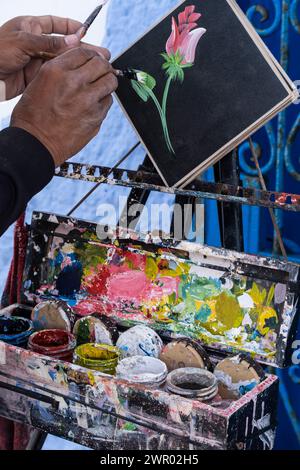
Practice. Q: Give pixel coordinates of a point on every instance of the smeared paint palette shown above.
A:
(229, 301)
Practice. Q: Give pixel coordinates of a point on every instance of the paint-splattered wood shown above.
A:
(102, 412)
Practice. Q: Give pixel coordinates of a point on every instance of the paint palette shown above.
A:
(230, 302)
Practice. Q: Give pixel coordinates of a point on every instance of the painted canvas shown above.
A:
(201, 82)
(228, 301)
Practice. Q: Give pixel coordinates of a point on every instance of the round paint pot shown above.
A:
(101, 357)
(15, 330)
(140, 341)
(91, 330)
(185, 352)
(193, 383)
(58, 344)
(237, 375)
(145, 370)
(53, 314)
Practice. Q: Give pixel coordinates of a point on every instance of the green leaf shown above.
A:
(187, 66)
(140, 90)
(148, 81)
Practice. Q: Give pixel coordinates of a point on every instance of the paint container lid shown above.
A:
(238, 375)
(110, 324)
(101, 357)
(185, 352)
(15, 330)
(52, 342)
(193, 383)
(140, 341)
(142, 370)
(91, 330)
(53, 314)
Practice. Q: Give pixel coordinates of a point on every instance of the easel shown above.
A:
(226, 191)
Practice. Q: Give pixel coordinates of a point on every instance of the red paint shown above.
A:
(59, 344)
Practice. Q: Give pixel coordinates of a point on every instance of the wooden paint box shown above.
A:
(179, 289)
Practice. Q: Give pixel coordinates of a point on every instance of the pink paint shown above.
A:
(167, 286)
(130, 285)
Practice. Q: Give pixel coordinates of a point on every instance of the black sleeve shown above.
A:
(26, 167)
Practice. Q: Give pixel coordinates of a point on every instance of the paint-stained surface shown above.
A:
(231, 302)
(104, 413)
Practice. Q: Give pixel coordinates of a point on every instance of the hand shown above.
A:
(66, 103)
(23, 39)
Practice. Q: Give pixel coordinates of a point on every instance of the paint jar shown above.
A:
(15, 330)
(91, 330)
(237, 376)
(140, 341)
(101, 357)
(58, 344)
(145, 370)
(53, 314)
(185, 352)
(193, 383)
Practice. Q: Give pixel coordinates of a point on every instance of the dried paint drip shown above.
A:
(54, 314)
(58, 344)
(91, 330)
(185, 353)
(145, 370)
(193, 383)
(101, 357)
(140, 341)
(15, 330)
(237, 376)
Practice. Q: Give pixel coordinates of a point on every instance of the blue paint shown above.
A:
(15, 330)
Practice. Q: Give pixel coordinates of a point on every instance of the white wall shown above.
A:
(77, 10)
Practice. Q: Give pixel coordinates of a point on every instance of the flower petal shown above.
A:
(173, 41)
(189, 45)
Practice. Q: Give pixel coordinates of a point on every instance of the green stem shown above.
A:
(164, 106)
(163, 119)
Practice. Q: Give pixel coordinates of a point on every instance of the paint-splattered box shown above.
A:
(231, 302)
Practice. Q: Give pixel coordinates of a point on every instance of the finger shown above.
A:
(98, 111)
(56, 25)
(76, 58)
(105, 52)
(94, 69)
(34, 44)
(105, 86)
(31, 70)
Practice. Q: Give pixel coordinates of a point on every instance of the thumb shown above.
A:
(35, 44)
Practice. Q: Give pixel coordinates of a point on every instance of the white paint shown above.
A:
(245, 301)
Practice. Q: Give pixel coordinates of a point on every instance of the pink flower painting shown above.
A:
(180, 54)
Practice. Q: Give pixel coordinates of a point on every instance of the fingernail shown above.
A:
(72, 40)
(101, 55)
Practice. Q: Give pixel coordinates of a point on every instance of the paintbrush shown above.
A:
(126, 73)
(80, 33)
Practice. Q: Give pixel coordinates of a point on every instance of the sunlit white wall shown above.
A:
(76, 9)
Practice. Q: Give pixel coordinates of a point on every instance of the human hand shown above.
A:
(22, 39)
(66, 103)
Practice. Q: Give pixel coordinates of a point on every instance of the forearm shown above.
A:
(26, 167)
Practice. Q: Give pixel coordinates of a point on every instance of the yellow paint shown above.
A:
(228, 311)
(267, 314)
